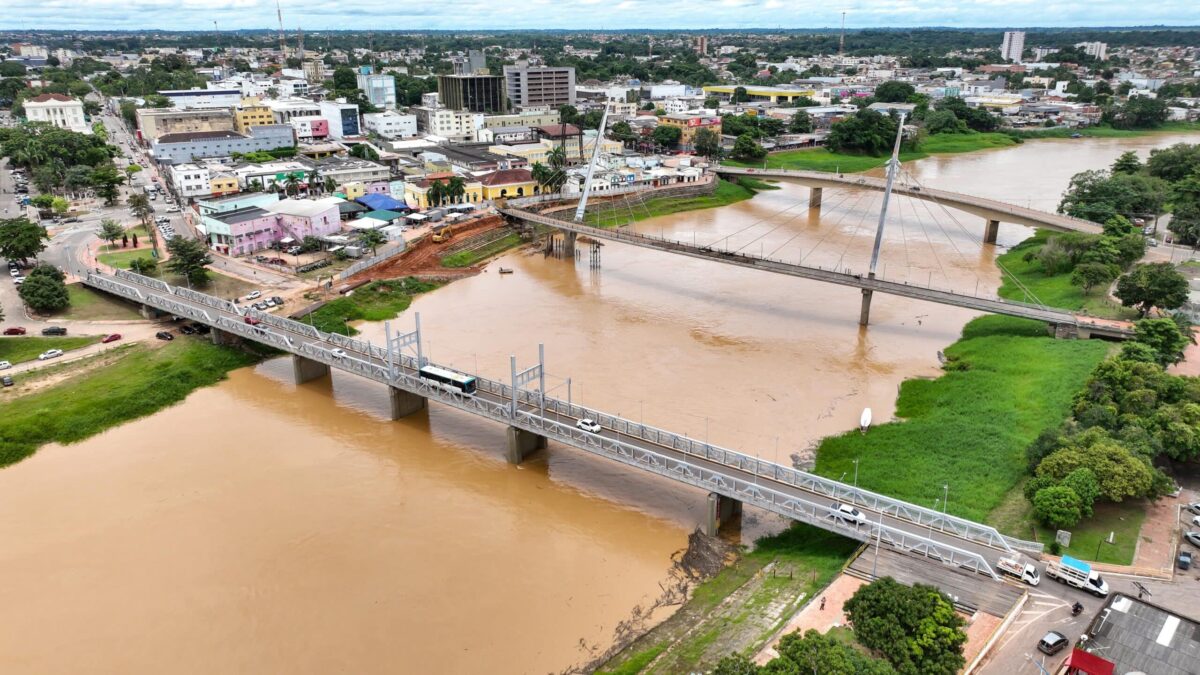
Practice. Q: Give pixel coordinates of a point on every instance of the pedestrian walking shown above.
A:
(822, 603)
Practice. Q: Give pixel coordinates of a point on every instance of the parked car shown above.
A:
(188, 329)
(1184, 562)
(1194, 507)
(293, 250)
(1192, 537)
(111, 338)
(1196, 521)
(254, 295)
(164, 335)
(5, 365)
(201, 329)
(278, 300)
(847, 513)
(6, 381)
(50, 354)
(54, 330)
(588, 425)
(18, 280)
(14, 330)
(1053, 643)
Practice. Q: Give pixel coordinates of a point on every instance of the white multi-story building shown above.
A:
(1096, 49)
(456, 125)
(1012, 46)
(59, 110)
(343, 118)
(380, 89)
(391, 124)
(191, 180)
(203, 98)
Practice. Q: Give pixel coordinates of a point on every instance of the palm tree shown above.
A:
(292, 185)
(437, 193)
(371, 239)
(557, 157)
(314, 181)
(456, 188)
(541, 174)
(330, 184)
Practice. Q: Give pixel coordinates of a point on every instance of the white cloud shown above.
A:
(585, 14)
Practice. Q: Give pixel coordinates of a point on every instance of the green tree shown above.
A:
(456, 189)
(1150, 285)
(707, 143)
(1084, 484)
(813, 652)
(894, 92)
(107, 180)
(667, 135)
(144, 265)
(344, 78)
(1174, 163)
(43, 201)
(188, 259)
(735, 664)
(1164, 337)
(944, 122)
(867, 131)
(1098, 196)
(1120, 473)
(132, 169)
(568, 114)
(436, 194)
(1128, 162)
(46, 270)
(110, 231)
(139, 206)
(371, 239)
(621, 131)
(1138, 112)
(60, 206)
(1091, 275)
(21, 239)
(44, 293)
(364, 151)
(739, 95)
(801, 123)
(1057, 506)
(914, 627)
(747, 149)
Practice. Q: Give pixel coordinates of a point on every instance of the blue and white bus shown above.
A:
(457, 382)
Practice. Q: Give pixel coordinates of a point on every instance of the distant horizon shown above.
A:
(191, 16)
(484, 31)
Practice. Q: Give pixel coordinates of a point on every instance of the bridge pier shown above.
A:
(814, 198)
(721, 510)
(404, 403)
(569, 244)
(148, 313)
(990, 232)
(220, 337)
(864, 313)
(521, 444)
(305, 370)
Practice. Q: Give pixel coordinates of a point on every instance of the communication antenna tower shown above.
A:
(842, 37)
(282, 44)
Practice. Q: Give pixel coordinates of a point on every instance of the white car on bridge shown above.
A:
(588, 425)
(847, 514)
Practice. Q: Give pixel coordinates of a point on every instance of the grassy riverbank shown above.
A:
(726, 193)
(91, 305)
(139, 381)
(1005, 381)
(1053, 290)
(821, 159)
(469, 258)
(742, 606)
(376, 301)
(21, 349)
(1105, 131)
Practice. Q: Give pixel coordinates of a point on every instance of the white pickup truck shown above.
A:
(1078, 574)
(1023, 571)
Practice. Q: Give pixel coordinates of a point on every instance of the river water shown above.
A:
(263, 527)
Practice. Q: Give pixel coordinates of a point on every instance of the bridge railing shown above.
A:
(401, 372)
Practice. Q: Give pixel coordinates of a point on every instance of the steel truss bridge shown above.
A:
(725, 473)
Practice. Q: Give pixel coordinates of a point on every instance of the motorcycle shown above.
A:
(1076, 609)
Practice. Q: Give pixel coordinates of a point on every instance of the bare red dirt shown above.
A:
(424, 257)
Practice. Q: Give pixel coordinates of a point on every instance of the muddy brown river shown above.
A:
(263, 527)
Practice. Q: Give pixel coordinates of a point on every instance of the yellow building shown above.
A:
(416, 194)
(353, 190)
(761, 93)
(509, 183)
(689, 124)
(223, 184)
(251, 113)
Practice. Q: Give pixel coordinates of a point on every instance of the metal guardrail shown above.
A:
(373, 362)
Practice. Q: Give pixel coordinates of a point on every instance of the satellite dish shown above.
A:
(865, 420)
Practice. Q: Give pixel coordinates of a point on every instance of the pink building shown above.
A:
(254, 228)
(300, 218)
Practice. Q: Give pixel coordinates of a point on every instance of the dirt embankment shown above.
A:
(424, 257)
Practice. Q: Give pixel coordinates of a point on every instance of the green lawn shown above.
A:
(218, 284)
(1006, 380)
(806, 559)
(821, 159)
(726, 192)
(140, 382)
(1053, 290)
(21, 349)
(1105, 131)
(1124, 520)
(120, 258)
(376, 301)
(91, 305)
(468, 258)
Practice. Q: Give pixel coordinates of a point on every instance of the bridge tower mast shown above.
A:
(893, 168)
(569, 249)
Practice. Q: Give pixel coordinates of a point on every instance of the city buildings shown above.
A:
(61, 111)
(689, 124)
(455, 125)
(542, 86)
(190, 180)
(473, 93)
(203, 98)
(343, 118)
(155, 122)
(391, 124)
(1096, 49)
(179, 148)
(474, 62)
(379, 88)
(1012, 46)
(251, 113)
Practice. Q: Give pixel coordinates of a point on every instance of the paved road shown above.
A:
(733, 472)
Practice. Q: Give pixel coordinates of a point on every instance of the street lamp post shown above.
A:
(945, 502)
(856, 472)
(935, 505)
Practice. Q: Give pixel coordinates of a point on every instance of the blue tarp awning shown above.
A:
(381, 202)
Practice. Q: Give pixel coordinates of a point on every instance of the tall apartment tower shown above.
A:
(528, 87)
(473, 93)
(1013, 46)
(700, 44)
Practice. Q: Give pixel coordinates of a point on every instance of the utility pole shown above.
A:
(282, 44)
(893, 168)
(842, 37)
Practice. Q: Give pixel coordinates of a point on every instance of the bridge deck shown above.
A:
(842, 277)
(780, 489)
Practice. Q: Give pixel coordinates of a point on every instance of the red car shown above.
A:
(111, 338)
(14, 330)
(253, 321)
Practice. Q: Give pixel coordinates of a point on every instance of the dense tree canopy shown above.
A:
(1150, 285)
(913, 627)
(1099, 195)
(867, 131)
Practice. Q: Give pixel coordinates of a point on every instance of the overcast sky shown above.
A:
(587, 14)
